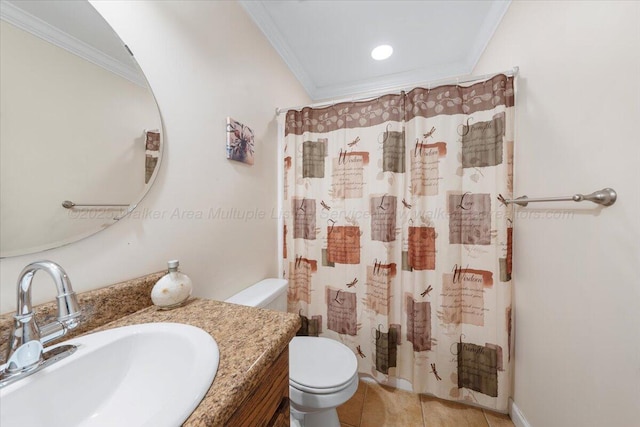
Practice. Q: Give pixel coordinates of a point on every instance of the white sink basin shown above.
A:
(144, 375)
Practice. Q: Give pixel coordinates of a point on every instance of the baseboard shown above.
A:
(516, 415)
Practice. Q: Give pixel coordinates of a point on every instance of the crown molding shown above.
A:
(262, 19)
(488, 29)
(388, 83)
(41, 29)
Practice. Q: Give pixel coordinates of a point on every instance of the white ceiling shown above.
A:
(327, 44)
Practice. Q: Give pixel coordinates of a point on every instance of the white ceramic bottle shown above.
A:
(173, 289)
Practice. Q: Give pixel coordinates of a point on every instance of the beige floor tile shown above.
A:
(441, 413)
(347, 425)
(388, 407)
(350, 412)
(498, 420)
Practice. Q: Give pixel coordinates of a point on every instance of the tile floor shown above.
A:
(374, 405)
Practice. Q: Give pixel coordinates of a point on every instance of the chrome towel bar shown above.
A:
(68, 204)
(605, 197)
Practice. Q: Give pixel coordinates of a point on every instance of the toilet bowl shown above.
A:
(323, 373)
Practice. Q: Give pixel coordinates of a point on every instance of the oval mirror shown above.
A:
(80, 131)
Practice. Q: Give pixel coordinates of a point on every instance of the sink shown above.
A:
(151, 374)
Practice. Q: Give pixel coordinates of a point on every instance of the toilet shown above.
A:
(323, 373)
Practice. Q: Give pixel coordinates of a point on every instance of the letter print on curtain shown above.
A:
(395, 241)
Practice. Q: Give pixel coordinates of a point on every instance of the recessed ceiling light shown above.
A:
(381, 52)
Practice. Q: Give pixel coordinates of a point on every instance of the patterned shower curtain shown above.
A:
(397, 243)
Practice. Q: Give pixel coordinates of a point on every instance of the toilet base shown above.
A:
(325, 418)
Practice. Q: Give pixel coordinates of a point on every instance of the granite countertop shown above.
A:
(249, 340)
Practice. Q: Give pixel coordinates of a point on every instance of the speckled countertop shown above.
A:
(249, 339)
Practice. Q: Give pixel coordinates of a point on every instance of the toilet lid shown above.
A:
(320, 363)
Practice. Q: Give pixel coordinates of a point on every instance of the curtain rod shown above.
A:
(457, 80)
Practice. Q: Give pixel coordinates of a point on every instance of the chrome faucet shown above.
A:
(25, 350)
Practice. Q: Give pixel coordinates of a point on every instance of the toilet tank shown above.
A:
(268, 293)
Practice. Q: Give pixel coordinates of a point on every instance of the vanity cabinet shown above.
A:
(268, 403)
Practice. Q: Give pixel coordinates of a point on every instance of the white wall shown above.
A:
(577, 286)
(204, 61)
(70, 130)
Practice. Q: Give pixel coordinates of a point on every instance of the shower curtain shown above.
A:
(396, 242)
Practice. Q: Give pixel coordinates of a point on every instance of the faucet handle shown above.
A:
(52, 331)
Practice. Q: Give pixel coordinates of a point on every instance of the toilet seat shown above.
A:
(329, 390)
(321, 365)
